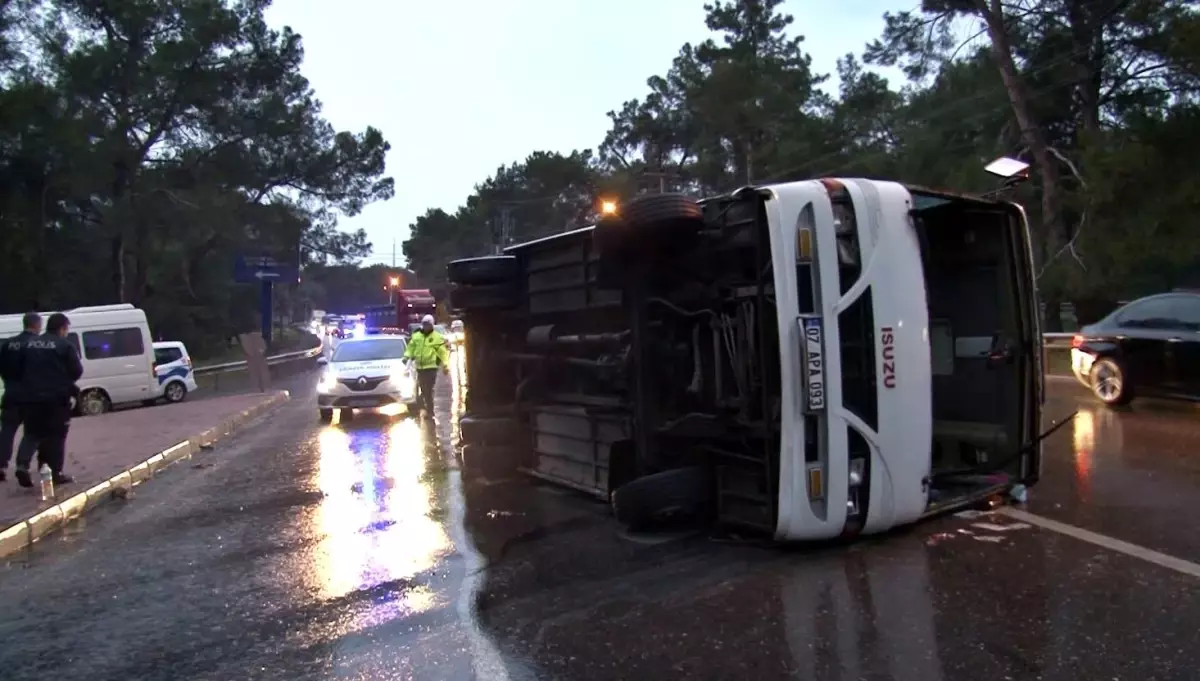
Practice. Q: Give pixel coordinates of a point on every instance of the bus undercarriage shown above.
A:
(640, 361)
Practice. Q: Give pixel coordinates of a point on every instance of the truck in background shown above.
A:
(381, 319)
(402, 315)
(411, 305)
(806, 360)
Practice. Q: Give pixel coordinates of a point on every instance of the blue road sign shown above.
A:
(266, 270)
(248, 269)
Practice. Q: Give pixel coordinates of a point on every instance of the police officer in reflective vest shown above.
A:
(10, 411)
(427, 350)
(49, 368)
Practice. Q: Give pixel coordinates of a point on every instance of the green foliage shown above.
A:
(1108, 89)
(144, 143)
(547, 193)
(348, 288)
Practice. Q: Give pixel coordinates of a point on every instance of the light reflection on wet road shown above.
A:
(1133, 473)
(355, 551)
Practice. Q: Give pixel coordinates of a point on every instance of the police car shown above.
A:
(173, 369)
(365, 372)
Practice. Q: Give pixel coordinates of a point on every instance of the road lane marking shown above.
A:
(1104, 541)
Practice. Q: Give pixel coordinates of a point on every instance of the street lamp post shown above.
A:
(393, 284)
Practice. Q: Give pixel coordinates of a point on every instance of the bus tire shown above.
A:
(658, 498)
(488, 430)
(483, 297)
(491, 463)
(648, 222)
(675, 213)
(491, 269)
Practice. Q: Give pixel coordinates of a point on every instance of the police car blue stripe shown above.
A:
(181, 372)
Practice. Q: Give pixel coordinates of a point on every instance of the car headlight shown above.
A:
(328, 380)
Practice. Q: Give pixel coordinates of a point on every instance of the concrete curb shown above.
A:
(24, 533)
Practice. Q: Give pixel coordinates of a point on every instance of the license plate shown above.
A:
(814, 361)
(364, 403)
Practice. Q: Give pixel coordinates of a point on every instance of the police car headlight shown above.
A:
(327, 382)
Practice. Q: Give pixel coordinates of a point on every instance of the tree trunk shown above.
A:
(1051, 236)
(1087, 40)
(141, 262)
(116, 260)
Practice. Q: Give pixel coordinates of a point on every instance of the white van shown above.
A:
(116, 349)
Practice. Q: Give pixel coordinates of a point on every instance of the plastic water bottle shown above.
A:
(47, 482)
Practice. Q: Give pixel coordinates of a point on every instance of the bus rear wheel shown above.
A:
(679, 494)
(490, 269)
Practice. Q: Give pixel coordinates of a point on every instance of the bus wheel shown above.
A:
(677, 494)
(489, 463)
(488, 430)
(483, 296)
(648, 223)
(491, 269)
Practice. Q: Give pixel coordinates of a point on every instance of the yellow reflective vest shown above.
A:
(428, 350)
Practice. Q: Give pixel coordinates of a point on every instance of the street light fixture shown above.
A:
(1009, 169)
(393, 284)
(608, 207)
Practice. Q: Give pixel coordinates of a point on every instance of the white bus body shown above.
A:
(902, 376)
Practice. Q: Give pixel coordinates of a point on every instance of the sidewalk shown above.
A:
(115, 451)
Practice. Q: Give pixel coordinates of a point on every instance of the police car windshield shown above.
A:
(368, 350)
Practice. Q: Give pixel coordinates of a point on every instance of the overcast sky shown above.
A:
(462, 88)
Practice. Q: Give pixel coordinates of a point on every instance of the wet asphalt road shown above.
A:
(295, 551)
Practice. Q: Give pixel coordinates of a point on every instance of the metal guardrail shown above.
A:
(271, 361)
(1057, 341)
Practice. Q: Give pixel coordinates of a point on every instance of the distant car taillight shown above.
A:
(1076, 341)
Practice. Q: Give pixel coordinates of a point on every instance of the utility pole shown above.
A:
(505, 226)
(502, 229)
(392, 277)
(661, 175)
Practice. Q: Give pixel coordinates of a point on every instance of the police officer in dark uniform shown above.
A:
(10, 413)
(50, 367)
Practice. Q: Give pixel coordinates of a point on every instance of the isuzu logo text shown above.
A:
(887, 340)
